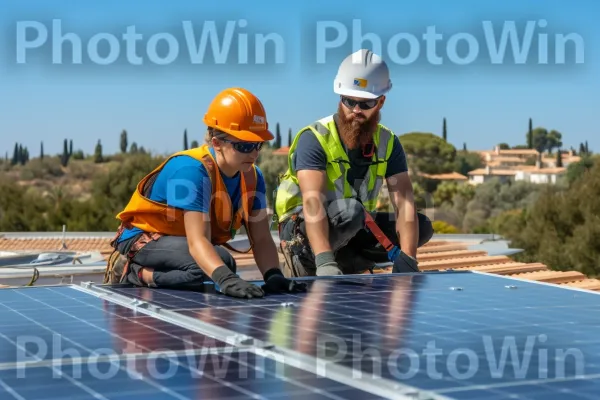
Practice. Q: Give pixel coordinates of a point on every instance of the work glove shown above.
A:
(232, 285)
(402, 261)
(275, 282)
(326, 264)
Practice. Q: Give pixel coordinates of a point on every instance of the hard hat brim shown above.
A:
(249, 136)
(357, 93)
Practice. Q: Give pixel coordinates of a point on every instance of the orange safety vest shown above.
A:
(155, 217)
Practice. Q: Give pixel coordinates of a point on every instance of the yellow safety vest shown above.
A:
(289, 200)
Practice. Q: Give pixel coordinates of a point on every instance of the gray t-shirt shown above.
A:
(310, 155)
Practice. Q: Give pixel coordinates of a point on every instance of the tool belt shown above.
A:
(118, 264)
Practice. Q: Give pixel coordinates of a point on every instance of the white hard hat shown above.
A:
(362, 74)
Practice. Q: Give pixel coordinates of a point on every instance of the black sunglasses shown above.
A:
(364, 104)
(244, 147)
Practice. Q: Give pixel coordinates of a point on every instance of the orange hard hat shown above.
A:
(240, 114)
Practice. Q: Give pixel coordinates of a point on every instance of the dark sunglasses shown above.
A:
(364, 104)
(244, 147)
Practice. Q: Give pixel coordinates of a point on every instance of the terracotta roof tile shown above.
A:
(34, 244)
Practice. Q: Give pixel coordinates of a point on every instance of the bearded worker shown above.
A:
(336, 169)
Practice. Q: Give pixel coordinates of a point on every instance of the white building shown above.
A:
(540, 175)
(488, 173)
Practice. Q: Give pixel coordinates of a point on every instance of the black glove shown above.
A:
(404, 263)
(234, 286)
(275, 282)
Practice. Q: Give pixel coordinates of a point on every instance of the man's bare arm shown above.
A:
(312, 185)
(407, 225)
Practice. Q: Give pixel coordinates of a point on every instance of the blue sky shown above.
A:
(484, 103)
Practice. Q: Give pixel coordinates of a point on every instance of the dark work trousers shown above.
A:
(172, 262)
(356, 249)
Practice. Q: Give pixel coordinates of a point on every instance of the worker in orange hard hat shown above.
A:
(175, 229)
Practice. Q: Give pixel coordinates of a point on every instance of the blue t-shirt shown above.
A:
(184, 183)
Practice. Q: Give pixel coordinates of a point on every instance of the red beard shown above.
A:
(356, 132)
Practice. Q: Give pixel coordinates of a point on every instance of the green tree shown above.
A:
(185, 140)
(559, 160)
(466, 162)
(277, 144)
(134, 148)
(272, 167)
(21, 155)
(488, 200)
(577, 170)
(428, 153)
(64, 158)
(503, 146)
(15, 158)
(195, 144)
(540, 139)
(443, 227)
(553, 140)
(464, 146)
(25, 156)
(561, 229)
(78, 155)
(42, 150)
(70, 147)
(290, 137)
(123, 143)
(530, 135)
(444, 131)
(113, 188)
(98, 157)
(444, 194)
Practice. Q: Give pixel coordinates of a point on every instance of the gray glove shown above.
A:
(326, 264)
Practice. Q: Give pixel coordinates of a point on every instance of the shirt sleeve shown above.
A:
(260, 198)
(189, 188)
(309, 153)
(397, 162)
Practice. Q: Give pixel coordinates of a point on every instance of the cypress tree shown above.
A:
(444, 131)
(530, 135)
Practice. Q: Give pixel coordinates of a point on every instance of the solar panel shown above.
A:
(62, 342)
(458, 334)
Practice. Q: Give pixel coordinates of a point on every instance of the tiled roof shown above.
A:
(282, 151)
(99, 244)
(436, 255)
(491, 171)
(445, 177)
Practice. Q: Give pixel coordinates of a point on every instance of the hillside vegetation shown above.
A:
(558, 225)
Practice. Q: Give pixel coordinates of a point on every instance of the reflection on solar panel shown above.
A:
(430, 335)
(460, 335)
(59, 342)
